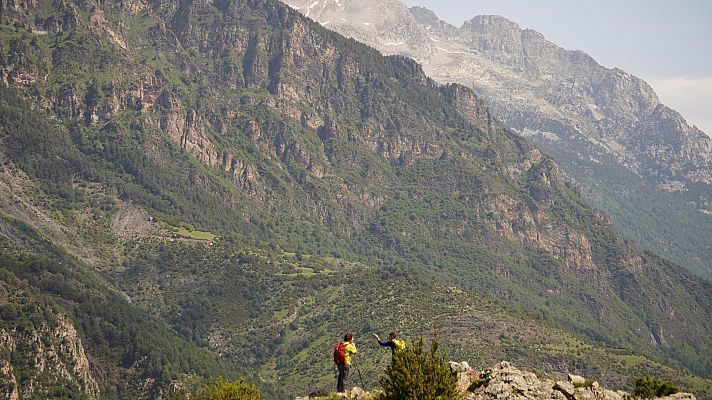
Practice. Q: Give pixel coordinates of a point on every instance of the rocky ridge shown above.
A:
(598, 123)
(506, 382)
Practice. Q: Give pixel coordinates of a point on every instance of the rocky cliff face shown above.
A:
(621, 111)
(36, 358)
(598, 123)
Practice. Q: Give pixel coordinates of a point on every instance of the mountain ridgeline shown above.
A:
(632, 156)
(336, 179)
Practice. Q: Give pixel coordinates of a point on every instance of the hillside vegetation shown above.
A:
(232, 178)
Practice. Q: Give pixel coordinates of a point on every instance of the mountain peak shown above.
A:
(483, 23)
(365, 12)
(424, 14)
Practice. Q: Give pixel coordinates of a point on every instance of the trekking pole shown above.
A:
(358, 370)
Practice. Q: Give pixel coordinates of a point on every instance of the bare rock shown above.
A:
(465, 375)
(576, 379)
(508, 382)
(56, 350)
(679, 396)
(566, 388)
(614, 395)
(357, 394)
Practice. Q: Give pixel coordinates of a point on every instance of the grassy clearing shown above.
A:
(196, 235)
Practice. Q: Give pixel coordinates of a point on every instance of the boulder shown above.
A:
(508, 382)
(566, 388)
(576, 379)
(359, 394)
(465, 375)
(615, 395)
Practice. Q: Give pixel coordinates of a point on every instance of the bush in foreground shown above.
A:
(419, 374)
(648, 387)
(229, 390)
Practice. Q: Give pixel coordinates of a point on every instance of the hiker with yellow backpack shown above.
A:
(393, 342)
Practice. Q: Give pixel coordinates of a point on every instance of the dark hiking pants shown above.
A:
(343, 376)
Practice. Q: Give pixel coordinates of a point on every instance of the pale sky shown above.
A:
(668, 43)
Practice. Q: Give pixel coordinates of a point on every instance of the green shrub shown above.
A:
(587, 384)
(229, 390)
(479, 383)
(417, 374)
(648, 387)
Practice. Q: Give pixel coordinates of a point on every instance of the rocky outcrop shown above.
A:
(506, 382)
(467, 103)
(17, 6)
(533, 227)
(101, 27)
(186, 128)
(466, 375)
(57, 354)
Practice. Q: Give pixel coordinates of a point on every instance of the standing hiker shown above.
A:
(394, 343)
(342, 358)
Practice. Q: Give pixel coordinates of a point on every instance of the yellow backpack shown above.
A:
(400, 344)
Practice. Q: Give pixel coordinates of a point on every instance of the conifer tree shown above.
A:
(419, 374)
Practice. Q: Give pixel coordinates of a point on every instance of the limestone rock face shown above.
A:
(465, 374)
(57, 352)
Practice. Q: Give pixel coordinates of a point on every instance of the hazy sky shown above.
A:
(668, 43)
